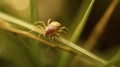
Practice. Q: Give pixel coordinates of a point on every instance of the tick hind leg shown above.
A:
(49, 20)
(62, 29)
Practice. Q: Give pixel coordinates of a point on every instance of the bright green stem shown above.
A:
(64, 41)
(81, 50)
(33, 4)
(17, 21)
(38, 55)
(81, 18)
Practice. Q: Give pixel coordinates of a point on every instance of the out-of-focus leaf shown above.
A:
(12, 52)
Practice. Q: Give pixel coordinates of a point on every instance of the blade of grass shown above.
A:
(7, 26)
(22, 23)
(35, 48)
(100, 26)
(19, 22)
(81, 50)
(81, 19)
(68, 43)
(33, 4)
(62, 40)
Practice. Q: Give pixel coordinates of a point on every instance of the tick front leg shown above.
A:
(42, 28)
(41, 22)
(48, 21)
(62, 29)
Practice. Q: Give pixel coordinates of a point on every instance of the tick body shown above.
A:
(52, 29)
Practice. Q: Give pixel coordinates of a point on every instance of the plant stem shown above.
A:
(62, 40)
(100, 26)
(33, 4)
(20, 22)
(81, 19)
(81, 50)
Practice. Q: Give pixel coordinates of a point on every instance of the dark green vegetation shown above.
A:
(92, 38)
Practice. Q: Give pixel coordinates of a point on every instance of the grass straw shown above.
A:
(100, 26)
(36, 48)
(81, 50)
(81, 18)
(33, 4)
(19, 22)
(64, 41)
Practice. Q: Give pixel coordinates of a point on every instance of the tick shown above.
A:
(52, 28)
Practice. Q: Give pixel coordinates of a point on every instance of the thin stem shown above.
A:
(81, 19)
(20, 22)
(33, 4)
(5, 25)
(75, 49)
(81, 50)
(100, 26)
(79, 28)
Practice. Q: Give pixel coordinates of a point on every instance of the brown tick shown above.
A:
(51, 29)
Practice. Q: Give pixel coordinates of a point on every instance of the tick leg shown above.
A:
(38, 38)
(48, 21)
(57, 35)
(62, 29)
(42, 28)
(40, 22)
(32, 29)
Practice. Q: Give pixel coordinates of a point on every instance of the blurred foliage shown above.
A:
(19, 51)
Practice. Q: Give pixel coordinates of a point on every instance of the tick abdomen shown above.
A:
(52, 28)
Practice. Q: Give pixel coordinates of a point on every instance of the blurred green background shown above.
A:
(20, 51)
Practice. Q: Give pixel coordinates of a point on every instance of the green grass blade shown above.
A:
(81, 19)
(69, 44)
(100, 26)
(81, 50)
(33, 4)
(19, 22)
